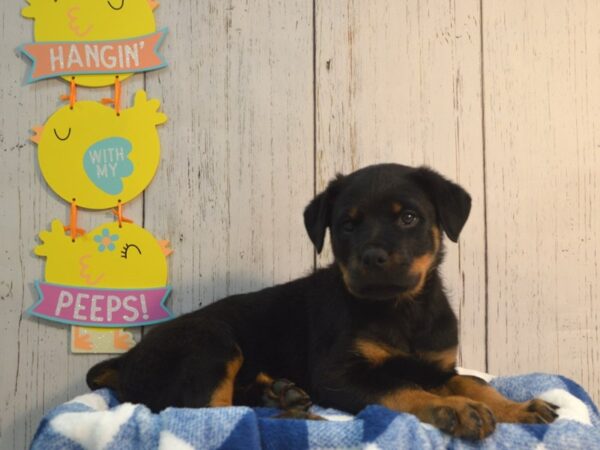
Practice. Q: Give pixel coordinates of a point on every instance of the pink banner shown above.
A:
(101, 307)
(54, 59)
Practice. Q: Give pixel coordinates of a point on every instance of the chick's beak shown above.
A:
(164, 247)
(38, 130)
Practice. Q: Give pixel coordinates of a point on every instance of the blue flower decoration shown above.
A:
(106, 240)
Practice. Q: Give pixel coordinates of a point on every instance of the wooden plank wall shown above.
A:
(542, 151)
(268, 99)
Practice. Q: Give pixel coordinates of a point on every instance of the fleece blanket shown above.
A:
(97, 421)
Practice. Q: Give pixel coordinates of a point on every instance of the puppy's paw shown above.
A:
(532, 411)
(461, 417)
(284, 394)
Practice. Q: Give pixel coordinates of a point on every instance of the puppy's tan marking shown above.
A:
(445, 359)
(421, 264)
(420, 267)
(345, 274)
(353, 213)
(376, 352)
(263, 379)
(396, 207)
(409, 400)
(505, 410)
(223, 394)
(437, 239)
(458, 416)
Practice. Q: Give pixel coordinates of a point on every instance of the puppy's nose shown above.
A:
(374, 258)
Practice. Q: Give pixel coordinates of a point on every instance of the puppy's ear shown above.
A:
(452, 203)
(317, 215)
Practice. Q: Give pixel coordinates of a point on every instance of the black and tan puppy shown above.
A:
(374, 327)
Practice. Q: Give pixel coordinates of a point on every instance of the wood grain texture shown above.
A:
(400, 82)
(542, 170)
(237, 162)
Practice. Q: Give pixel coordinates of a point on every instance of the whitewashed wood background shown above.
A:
(268, 99)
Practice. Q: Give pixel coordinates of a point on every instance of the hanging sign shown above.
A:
(91, 40)
(90, 154)
(53, 59)
(99, 157)
(114, 276)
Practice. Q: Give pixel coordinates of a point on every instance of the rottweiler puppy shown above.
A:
(375, 327)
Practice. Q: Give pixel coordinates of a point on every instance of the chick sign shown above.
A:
(115, 276)
(93, 40)
(90, 154)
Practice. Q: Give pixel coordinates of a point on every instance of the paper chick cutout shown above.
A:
(115, 276)
(99, 37)
(96, 157)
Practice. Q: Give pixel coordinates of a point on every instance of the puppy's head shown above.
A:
(386, 223)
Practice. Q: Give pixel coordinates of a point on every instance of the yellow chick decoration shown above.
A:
(96, 159)
(99, 157)
(105, 278)
(107, 257)
(89, 21)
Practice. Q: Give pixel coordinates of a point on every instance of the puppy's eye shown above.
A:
(408, 218)
(348, 226)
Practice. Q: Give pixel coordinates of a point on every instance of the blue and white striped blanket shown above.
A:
(97, 421)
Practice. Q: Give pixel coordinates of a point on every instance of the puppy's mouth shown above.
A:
(380, 291)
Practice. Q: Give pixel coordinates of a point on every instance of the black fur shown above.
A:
(306, 330)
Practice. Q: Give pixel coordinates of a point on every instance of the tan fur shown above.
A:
(396, 207)
(420, 267)
(345, 274)
(437, 239)
(223, 394)
(375, 352)
(445, 359)
(409, 400)
(429, 408)
(504, 410)
(264, 379)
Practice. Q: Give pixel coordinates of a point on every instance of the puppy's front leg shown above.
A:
(362, 385)
(505, 410)
(456, 415)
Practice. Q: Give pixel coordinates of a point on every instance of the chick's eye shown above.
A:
(116, 5)
(127, 248)
(62, 136)
(408, 218)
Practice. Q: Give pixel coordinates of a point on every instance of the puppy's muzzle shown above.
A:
(374, 258)
(377, 274)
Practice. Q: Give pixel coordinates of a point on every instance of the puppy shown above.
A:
(373, 328)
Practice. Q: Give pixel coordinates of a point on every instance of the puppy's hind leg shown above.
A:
(188, 364)
(223, 393)
(212, 382)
